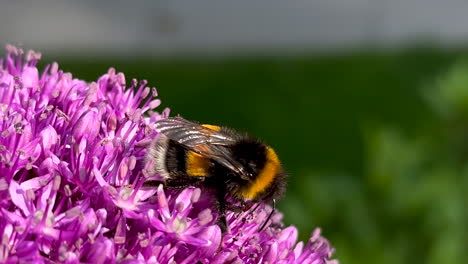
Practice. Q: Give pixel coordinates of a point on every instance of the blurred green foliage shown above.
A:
(376, 143)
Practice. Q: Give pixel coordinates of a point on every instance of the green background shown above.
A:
(374, 141)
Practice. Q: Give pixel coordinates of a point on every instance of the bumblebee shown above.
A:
(238, 167)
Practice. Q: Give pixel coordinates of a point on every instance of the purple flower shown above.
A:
(71, 175)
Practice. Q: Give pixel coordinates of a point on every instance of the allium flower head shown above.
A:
(71, 176)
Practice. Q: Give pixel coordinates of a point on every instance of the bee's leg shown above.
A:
(152, 183)
(221, 206)
(184, 182)
(242, 207)
(176, 183)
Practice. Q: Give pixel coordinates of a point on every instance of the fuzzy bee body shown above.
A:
(190, 154)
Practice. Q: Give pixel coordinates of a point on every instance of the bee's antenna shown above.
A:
(269, 216)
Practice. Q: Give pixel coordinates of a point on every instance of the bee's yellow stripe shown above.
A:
(215, 128)
(196, 164)
(266, 176)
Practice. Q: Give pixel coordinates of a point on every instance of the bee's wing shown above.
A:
(202, 140)
(192, 134)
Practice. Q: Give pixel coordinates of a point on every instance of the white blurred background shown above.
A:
(227, 26)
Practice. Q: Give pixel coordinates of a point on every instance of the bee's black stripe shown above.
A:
(251, 154)
(175, 158)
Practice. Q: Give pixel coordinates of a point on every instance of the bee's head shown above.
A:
(251, 155)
